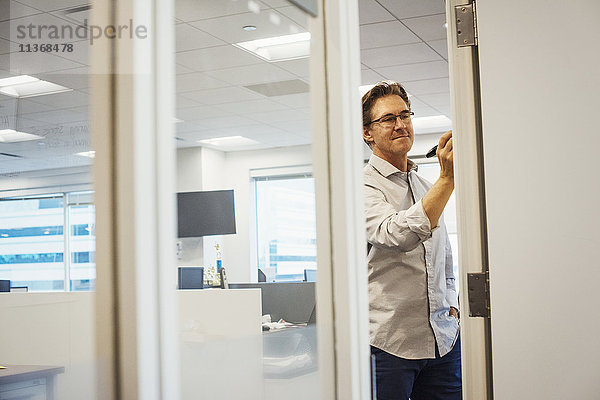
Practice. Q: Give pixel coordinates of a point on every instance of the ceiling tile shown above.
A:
(428, 86)
(189, 38)
(197, 81)
(299, 67)
(300, 127)
(301, 100)
(199, 112)
(180, 69)
(56, 117)
(276, 3)
(9, 29)
(215, 58)
(441, 46)
(252, 74)
(184, 128)
(80, 53)
(413, 8)
(254, 131)
(269, 23)
(182, 102)
(413, 72)
(249, 108)
(35, 63)
(222, 95)
(15, 10)
(76, 78)
(46, 5)
(428, 28)
(421, 109)
(27, 106)
(63, 100)
(445, 110)
(385, 34)
(369, 77)
(229, 121)
(369, 11)
(192, 10)
(274, 117)
(398, 55)
(8, 47)
(436, 100)
(296, 15)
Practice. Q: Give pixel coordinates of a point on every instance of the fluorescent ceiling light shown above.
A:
(279, 48)
(90, 154)
(17, 80)
(229, 141)
(28, 86)
(437, 123)
(12, 136)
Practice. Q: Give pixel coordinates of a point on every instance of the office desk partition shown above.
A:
(28, 382)
(291, 301)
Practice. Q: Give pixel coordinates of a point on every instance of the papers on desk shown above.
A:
(267, 325)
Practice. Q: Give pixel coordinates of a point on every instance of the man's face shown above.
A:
(389, 142)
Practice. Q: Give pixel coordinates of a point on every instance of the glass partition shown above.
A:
(242, 108)
(47, 340)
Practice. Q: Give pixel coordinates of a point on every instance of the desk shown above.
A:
(28, 382)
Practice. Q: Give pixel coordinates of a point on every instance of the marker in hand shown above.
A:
(432, 152)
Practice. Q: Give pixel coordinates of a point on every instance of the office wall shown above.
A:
(199, 168)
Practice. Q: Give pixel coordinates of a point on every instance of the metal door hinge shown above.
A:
(466, 25)
(478, 286)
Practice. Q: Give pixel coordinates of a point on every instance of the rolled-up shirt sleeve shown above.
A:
(451, 294)
(389, 227)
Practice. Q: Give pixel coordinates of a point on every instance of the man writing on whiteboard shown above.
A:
(413, 304)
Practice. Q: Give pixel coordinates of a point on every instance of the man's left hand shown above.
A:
(454, 312)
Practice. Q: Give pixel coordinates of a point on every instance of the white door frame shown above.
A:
(132, 132)
(342, 299)
(470, 207)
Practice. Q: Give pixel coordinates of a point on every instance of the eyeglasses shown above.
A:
(389, 120)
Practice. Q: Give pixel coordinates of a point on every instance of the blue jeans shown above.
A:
(427, 379)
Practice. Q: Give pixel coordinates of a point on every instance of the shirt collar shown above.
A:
(386, 169)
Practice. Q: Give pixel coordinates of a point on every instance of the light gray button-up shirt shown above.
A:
(411, 279)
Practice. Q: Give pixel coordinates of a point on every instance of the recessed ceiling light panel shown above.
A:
(90, 154)
(12, 136)
(279, 48)
(27, 86)
(229, 142)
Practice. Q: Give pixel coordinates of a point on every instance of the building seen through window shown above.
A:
(33, 242)
(286, 227)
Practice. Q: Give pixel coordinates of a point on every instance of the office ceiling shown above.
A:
(220, 88)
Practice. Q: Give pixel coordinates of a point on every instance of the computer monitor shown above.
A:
(291, 301)
(205, 213)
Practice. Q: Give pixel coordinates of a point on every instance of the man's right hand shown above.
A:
(436, 198)
(445, 156)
